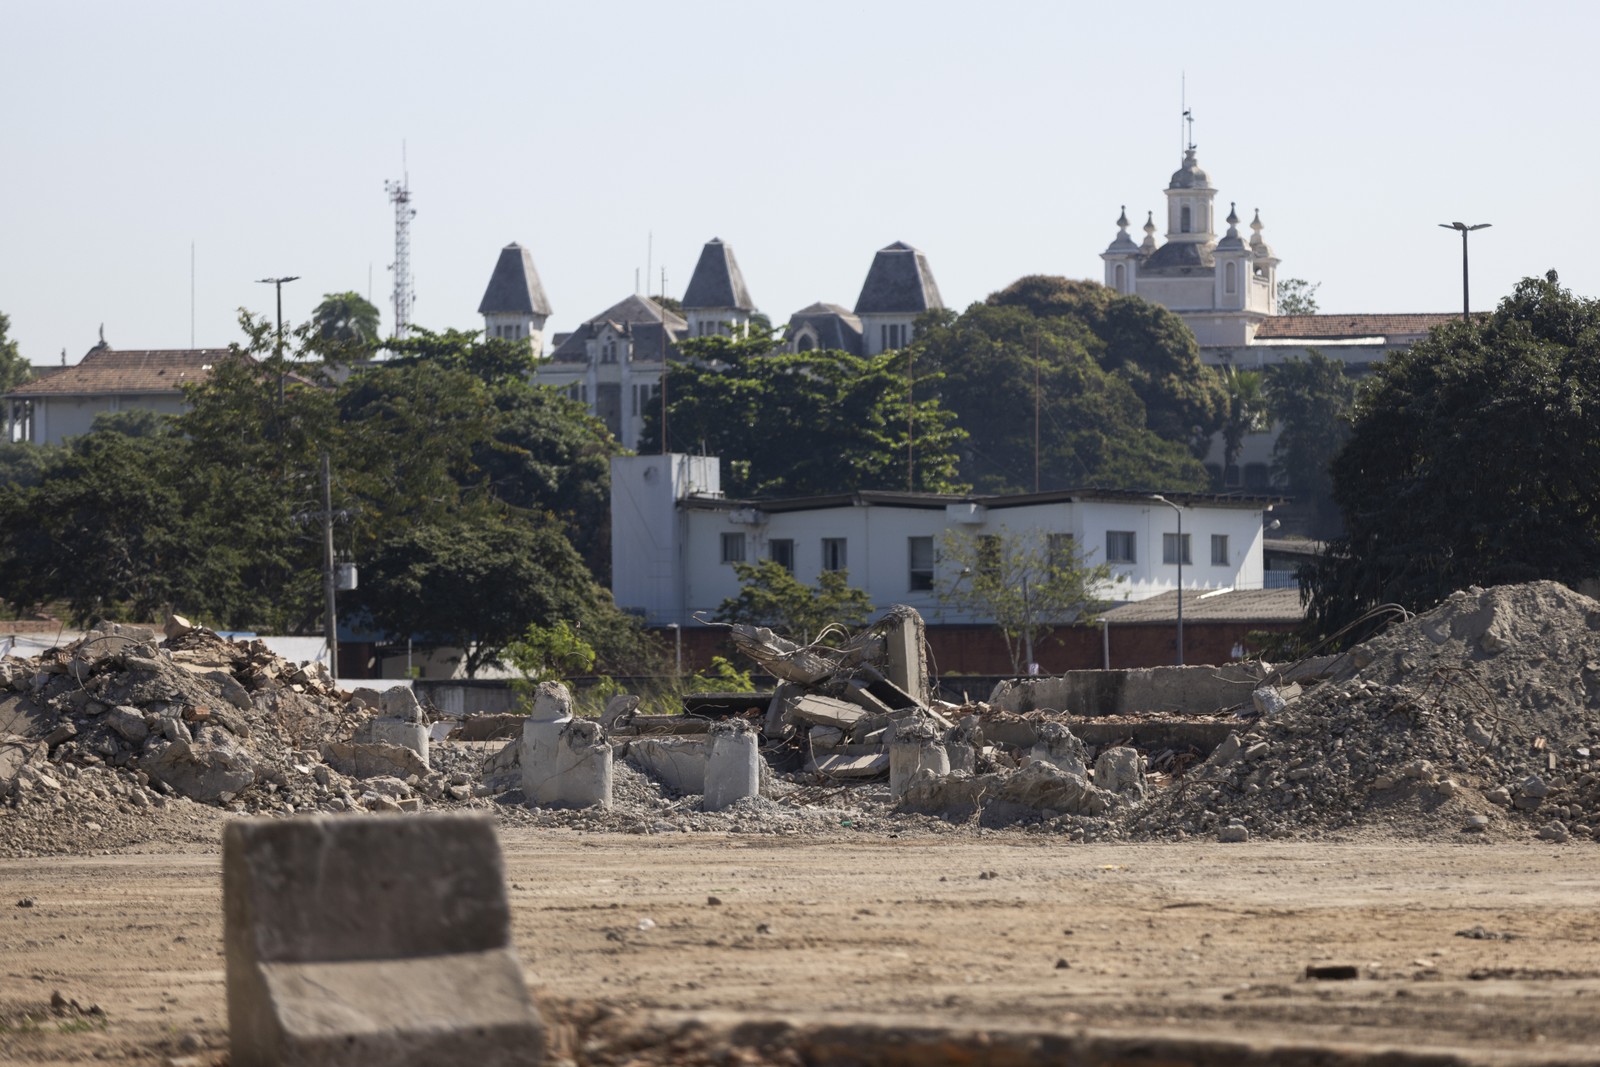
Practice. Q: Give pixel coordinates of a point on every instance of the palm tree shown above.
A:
(1247, 412)
(346, 322)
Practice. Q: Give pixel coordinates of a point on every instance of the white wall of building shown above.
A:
(55, 418)
(667, 550)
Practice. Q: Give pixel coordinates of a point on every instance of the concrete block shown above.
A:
(552, 702)
(1060, 748)
(372, 941)
(1120, 770)
(363, 759)
(915, 748)
(905, 641)
(572, 771)
(409, 734)
(733, 765)
(400, 703)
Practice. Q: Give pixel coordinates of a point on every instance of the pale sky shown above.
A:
(1001, 138)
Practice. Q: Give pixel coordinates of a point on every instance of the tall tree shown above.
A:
(1248, 412)
(345, 325)
(14, 370)
(816, 422)
(1296, 296)
(1142, 343)
(1311, 400)
(1471, 460)
(994, 361)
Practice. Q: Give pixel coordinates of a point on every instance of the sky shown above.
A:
(1001, 138)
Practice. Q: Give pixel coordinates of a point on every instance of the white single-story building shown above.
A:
(675, 538)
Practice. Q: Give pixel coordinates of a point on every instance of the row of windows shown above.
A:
(1122, 546)
(894, 335)
(509, 333)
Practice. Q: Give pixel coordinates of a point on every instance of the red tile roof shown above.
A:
(106, 371)
(1337, 327)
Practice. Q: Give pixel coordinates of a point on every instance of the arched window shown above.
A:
(1230, 278)
(1122, 278)
(806, 344)
(1184, 225)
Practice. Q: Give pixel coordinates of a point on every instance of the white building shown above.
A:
(48, 410)
(675, 538)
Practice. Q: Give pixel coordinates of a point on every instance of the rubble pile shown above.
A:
(122, 737)
(1479, 715)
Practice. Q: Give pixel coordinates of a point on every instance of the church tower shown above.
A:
(514, 306)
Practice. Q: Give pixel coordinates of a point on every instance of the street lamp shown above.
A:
(1466, 306)
(1174, 507)
(278, 283)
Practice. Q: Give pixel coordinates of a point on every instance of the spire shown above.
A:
(717, 281)
(1149, 244)
(1231, 242)
(1122, 244)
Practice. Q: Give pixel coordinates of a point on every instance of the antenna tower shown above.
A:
(400, 196)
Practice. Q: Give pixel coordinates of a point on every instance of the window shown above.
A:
(893, 335)
(1230, 278)
(1219, 550)
(608, 354)
(833, 555)
(1169, 548)
(1062, 550)
(1257, 476)
(989, 555)
(1122, 275)
(1183, 220)
(781, 551)
(1120, 546)
(733, 548)
(919, 552)
(806, 344)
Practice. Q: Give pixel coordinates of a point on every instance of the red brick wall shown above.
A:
(982, 649)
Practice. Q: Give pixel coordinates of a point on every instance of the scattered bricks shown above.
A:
(372, 941)
(733, 770)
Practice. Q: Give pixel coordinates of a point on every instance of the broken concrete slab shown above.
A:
(826, 711)
(338, 952)
(1189, 690)
(915, 749)
(1006, 797)
(679, 763)
(784, 659)
(406, 733)
(205, 771)
(905, 639)
(1059, 746)
(360, 759)
(851, 765)
(1120, 770)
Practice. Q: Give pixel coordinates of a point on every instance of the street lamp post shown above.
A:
(1174, 507)
(1466, 304)
(278, 283)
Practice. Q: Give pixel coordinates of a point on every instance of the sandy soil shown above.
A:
(1187, 939)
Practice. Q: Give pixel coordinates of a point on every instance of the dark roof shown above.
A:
(836, 327)
(717, 282)
(637, 316)
(104, 371)
(1338, 327)
(1179, 257)
(514, 287)
(899, 281)
(1227, 605)
(894, 498)
(1189, 175)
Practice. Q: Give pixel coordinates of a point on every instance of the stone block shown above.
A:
(915, 749)
(1120, 770)
(372, 941)
(363, 759)
(574, 770)
(406, 733)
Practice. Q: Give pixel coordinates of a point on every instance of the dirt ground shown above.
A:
(1163, 939)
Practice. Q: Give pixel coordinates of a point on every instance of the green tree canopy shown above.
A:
(1091, 425)
(1142, 343)
(771, 596)
(816, 422)
(1028, 582)
(14, 370)
(1471, 461)
(1296, 296)
(1311, 401)
(1248, 411)
(345, 325)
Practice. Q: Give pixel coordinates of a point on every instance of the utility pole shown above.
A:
(1036, 407)
(329, 575)
(911, 421)
(1179, 510)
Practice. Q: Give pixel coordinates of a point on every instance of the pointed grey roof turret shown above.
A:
(514, 287)
(899, 281)
(1231, 241)
(717, 282)
(1122, 244)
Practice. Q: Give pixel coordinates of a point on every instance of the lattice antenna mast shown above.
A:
(400, 196)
